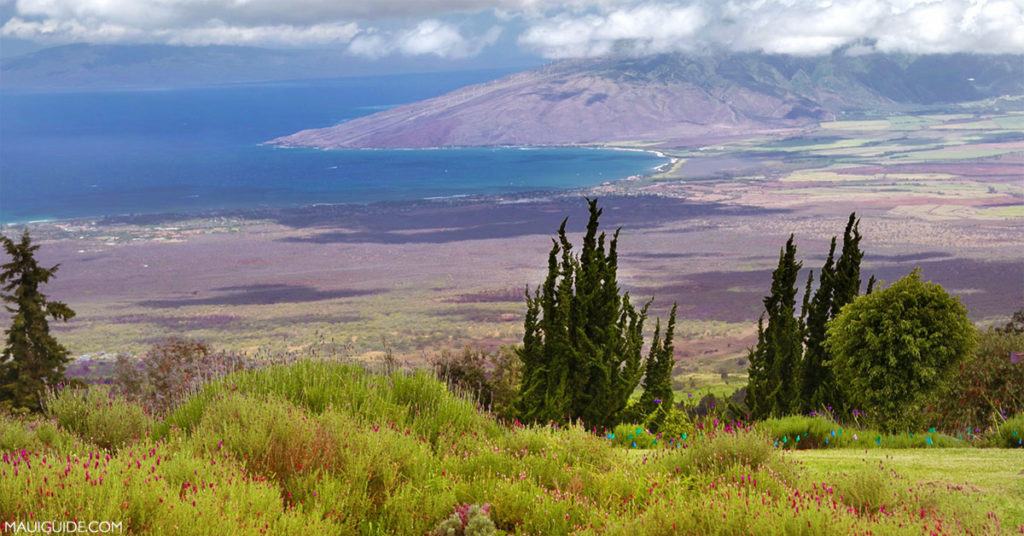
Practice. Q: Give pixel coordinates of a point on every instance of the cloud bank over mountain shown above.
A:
(552, 29)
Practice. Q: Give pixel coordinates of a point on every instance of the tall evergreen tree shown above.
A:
(815, 376)
(756, 398)
(772, 389)
(839, 285)
(582, 346)
(32, 359)
(846, 286)
(658, 397)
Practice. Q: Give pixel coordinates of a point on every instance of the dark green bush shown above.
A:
(894, 347)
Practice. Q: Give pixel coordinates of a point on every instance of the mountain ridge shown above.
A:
(671, 96)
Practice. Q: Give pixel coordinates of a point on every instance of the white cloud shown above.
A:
(642, 29)
(370, 45)
(256, 12)
(802, 27)
(552, 28)
(63, 31)
(433, 37)
(979, 26)
(280, 35)
(430, 37)
(53, 31)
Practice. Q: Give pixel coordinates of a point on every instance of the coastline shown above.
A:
(261, 212)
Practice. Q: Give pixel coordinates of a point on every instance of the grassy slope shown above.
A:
(996, 476)
(329, 448)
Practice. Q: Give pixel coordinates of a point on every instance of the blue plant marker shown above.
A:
(879, 440)
(928, 440)
(826, 441)
(833, 433)
(776, 443)
(634, 444)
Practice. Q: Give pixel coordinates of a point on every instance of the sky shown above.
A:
(513, 30)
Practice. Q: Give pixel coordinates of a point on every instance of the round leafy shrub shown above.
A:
(893, 347)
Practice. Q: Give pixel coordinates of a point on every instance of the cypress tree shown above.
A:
(778, 352)
(839, 285)
(32, 359)
(847, 272)
(815, 376)
(542, 391)
(757, 375)
(582, 343)
(658, 397)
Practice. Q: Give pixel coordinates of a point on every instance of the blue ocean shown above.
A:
(84, 155)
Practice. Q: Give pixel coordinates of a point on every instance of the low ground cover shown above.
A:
(329, 447)
(992, 476)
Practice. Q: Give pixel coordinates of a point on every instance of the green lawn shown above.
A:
(994, 476)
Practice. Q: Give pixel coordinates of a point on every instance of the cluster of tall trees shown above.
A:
(582, 355)
(582, 349)
(790, 367)
(885, 352)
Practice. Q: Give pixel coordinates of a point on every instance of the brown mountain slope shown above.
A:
(667, 97)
